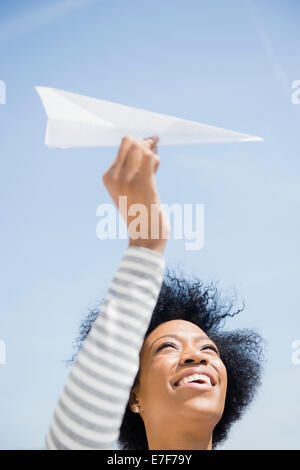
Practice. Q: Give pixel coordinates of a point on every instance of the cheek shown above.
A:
(223, 374)
(218, 364)
(156, 378)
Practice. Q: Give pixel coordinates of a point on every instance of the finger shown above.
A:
(120, 159)
(149, 165)
(154, 149)
(156, 163)
(151, 141)
(132, 162)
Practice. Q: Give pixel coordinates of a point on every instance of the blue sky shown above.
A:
(229, 64)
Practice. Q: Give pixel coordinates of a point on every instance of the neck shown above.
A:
(169, 440)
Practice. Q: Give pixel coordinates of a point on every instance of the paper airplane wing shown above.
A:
(80, 121)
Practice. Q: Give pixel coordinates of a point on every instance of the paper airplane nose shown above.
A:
(80, 121)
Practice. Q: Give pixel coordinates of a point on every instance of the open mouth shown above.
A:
(195, 380)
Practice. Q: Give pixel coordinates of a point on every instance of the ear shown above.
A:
(133, 400)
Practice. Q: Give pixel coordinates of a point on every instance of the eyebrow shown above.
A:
(175, 335)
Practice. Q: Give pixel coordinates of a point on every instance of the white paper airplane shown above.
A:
(80, 121)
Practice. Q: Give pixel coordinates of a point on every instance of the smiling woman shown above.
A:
(154, 369)
(195, 379)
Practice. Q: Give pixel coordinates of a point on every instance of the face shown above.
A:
(177, 349)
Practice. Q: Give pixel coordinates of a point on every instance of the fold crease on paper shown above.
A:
(80, 121)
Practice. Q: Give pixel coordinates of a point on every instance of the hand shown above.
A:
(132, 175)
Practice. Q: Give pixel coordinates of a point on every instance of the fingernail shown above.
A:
(154, 138)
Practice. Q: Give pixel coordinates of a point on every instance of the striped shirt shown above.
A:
(90, 410)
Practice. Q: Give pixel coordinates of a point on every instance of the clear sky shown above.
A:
(230, 64)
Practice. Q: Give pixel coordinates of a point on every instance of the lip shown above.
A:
(192, 371)
(199, 387)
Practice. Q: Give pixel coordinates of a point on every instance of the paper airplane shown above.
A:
(81, 121)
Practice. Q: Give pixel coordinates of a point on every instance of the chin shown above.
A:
(203, 411)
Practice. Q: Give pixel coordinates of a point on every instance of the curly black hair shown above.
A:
(241, 350)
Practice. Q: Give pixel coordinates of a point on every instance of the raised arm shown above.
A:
(91, 407)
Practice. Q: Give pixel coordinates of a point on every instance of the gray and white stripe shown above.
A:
(91, 407)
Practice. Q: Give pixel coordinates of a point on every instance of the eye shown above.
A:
(212, 347)
(165, 345)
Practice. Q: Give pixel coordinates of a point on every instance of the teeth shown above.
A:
(191, 378)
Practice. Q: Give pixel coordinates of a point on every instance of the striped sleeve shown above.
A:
(92, 404)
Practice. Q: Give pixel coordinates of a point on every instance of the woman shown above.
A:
(154, 370)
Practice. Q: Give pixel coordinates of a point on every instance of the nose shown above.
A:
(193, 355)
